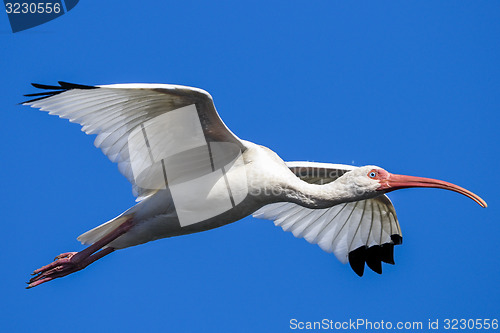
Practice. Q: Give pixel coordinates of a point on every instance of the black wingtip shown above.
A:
(67, 85)
(35, 99)
(38, 94)
(44, 86)
(357, 260)
(54, 90)
(387, 253)
(397, 239)
(373, 259)
(374, 256)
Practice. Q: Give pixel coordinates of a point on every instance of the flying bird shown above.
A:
(190, 173)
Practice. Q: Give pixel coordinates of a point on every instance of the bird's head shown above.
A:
(375, 180)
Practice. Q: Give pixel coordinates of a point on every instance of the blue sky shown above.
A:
(410, 86)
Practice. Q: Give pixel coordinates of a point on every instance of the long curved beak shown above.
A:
(396, 182)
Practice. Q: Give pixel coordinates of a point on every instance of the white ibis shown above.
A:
(190, 173)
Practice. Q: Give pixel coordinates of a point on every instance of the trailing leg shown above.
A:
(70, 262)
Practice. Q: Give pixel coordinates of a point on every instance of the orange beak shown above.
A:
(396, 182)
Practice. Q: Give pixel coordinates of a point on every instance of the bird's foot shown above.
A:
(63, 265)
(65, 255)
(70, 262)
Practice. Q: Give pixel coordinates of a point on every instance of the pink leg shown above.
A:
(70, 262)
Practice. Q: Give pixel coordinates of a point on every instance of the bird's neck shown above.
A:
(318, 196)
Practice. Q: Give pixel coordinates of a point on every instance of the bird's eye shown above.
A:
(372, 174)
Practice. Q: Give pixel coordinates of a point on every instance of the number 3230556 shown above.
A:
(32, 8)
(477, 324)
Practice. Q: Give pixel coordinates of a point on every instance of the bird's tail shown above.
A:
(92, 236)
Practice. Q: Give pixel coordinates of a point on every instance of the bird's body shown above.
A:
(190, 173)
(155, 216)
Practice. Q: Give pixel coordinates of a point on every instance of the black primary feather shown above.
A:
(374, 259)
(357, 260)
(387, 253)
(374, 256)
(63, 86)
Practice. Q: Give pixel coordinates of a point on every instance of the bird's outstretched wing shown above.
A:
(143, 127)
(356, 232)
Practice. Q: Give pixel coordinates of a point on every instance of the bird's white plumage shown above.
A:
(340, 229)
(113, 112)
